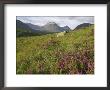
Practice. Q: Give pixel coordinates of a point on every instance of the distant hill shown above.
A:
(84, 25)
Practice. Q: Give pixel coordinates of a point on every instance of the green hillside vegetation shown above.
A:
(72, 53)
(26, 33)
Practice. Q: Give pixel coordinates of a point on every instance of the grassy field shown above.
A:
(72, 53)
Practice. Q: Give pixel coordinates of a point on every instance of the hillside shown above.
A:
(83, 25)
(72, 53)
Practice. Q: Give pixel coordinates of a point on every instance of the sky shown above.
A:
(70, 21)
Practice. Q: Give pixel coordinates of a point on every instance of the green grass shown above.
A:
(72, 53)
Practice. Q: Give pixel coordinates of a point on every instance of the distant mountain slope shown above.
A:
(21, 25)
(50, 27)
(53, 27)
(84, 25)
(34, 27)
(24, 29)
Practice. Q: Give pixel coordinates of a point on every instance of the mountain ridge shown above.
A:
(83, 25)
(49, 27)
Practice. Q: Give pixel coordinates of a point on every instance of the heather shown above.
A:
(72, 53)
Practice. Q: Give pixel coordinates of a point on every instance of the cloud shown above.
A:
(71, 21)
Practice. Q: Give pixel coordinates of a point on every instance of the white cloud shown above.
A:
(71, 21)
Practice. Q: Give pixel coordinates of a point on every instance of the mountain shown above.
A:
(66, 28)
(21, 25)
(84, 25)
(26, 29)
(50, 27)
(53, 27)
(34, 27)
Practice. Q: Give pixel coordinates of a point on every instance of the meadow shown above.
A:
(72, 53)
